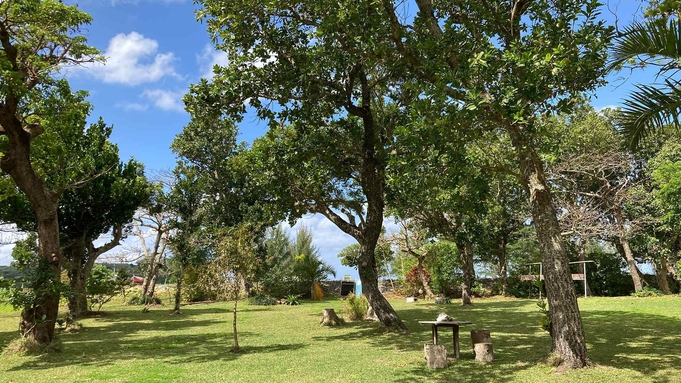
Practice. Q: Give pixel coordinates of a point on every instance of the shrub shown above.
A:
(355, 308)
(545, 321)
(101, 287)
(139, 300)
(192, 289)
(648, 292)
(479, 290)
(413, 280)
(262, 300)
(292, 300)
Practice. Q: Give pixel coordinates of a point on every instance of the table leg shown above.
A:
(434, 334)
(455, 335)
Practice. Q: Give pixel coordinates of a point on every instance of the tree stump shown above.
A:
(329, 318)
(483, 352)
(480, 336)
(482, 345)
(436, 355)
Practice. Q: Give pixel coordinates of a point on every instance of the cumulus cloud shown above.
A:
(165, 99)
(209, 58)
(133, 59)
(132, 106)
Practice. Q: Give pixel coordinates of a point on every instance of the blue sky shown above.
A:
(155, 49)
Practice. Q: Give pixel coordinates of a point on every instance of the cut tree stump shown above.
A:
(436, 355)
(482, 345)
(483, 352)
(480, 336)
(329, 318)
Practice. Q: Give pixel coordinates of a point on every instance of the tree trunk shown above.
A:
(422, 275)
(37, 321)
(368, 273)
(662, 275)
(178, 289)
(152, 283)
(468, 269)
(627, 253)
(78, 298)
(503, 265)
(568, 340)
(235, 346)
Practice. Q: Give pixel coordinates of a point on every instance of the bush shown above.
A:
(648, 292)
(292, 300)
(101, 287)
(480, 291)
(262, 300)
(139, 300)
(355, 308)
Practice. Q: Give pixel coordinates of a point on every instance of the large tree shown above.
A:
(37, 39)
(318, 73)
(500, 65)
(100, 204)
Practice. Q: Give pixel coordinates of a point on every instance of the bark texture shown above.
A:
(178, 290)
(468, 269)
(568, 339)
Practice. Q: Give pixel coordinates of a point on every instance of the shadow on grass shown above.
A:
(625, 340)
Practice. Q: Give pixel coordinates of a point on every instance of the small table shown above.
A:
(455, 330)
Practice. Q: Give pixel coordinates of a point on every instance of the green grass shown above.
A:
(629, 340)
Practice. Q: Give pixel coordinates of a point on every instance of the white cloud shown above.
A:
(132, 106)
(132, 59)
(208, 58)
(164, 99)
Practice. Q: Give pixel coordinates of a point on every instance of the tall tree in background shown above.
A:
(499, 66)
(37, 38)
(318, 74)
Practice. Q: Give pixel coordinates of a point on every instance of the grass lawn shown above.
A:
(629, 340)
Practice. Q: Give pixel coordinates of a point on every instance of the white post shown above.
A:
(584, 264)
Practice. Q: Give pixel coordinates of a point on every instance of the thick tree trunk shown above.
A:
(468, 269)
(78, 298)
(368, 273)
(178, 290)
(152, 283)
(424, 282)
(503, 265)
(568, 340)
(37, 321)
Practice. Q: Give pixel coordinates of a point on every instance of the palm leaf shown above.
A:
(648, 109)
(652, 38)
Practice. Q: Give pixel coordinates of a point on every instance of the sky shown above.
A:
(156, 48)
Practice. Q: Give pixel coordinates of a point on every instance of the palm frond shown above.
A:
(652, 38)
(648, 109)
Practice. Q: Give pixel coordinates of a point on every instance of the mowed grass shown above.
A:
(629, 340)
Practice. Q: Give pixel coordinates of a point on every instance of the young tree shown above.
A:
(233, 262)
(37, 39)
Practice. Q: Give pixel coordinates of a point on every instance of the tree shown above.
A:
(38, 38)
(233, 261)
(156, 218)
(185, 199)
(414, 241)
(307, 267)
(499, 67)
(315, 75)
(101, 286)
(102, 204)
